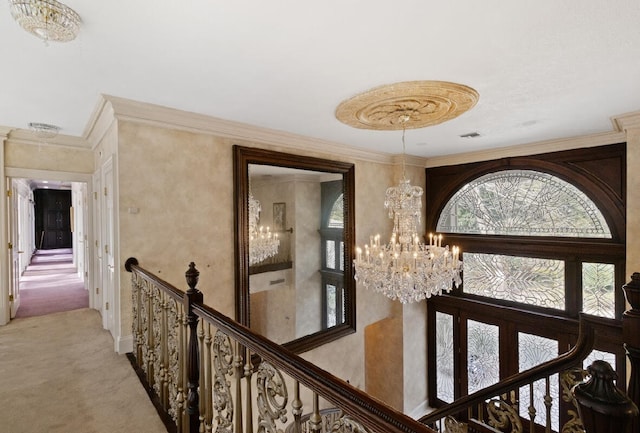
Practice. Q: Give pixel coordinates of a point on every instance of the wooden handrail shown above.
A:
(132, 264)
(579, 352)
(371, 413)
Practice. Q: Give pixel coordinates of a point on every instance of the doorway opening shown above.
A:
(49, 247)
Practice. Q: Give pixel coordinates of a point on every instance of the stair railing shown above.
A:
(500, 407)
(206, 372)
(211, 374)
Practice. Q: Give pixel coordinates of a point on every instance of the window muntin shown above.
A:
(528, 280)
(522, 203)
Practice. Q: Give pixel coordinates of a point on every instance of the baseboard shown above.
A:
(421, 410)
(125, 344)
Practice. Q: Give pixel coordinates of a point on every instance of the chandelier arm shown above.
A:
(406, 269)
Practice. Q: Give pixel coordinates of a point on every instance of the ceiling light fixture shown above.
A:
(44, 131)
(406, 268)
(49, 20)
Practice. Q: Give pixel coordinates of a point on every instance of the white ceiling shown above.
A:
(544, 70)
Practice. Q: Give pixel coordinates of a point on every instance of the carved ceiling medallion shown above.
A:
(409, 105)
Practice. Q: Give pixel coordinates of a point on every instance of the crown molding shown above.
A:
(25, 136)
(529, 149)
(4, 132)
(111, 108)
(156, 115)
(100, 121)
(415, 161)
(627, 121)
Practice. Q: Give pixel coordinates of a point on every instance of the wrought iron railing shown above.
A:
(212, 374)
(208, 373)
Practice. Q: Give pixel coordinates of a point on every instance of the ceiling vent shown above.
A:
(470, 135)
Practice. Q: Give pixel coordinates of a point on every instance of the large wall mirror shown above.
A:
(295, 232)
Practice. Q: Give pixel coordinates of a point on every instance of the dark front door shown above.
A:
(53, 218)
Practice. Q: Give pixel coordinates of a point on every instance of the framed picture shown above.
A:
(279, 216)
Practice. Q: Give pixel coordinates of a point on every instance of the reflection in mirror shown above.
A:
(301, 296)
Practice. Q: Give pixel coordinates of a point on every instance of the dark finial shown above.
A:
(131, 261)
(192, 275)
(632, 291)
(603, 408)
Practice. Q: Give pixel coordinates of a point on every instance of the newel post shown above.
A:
(631, 338)
(603, 408)
(192, 296)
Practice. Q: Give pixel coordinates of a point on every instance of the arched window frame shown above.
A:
(598, 184)
(600, 173)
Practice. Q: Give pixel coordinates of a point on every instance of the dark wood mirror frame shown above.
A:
(242, 157)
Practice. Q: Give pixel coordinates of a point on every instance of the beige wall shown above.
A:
(181, 184)
(175, 207)
(633, 202)
(35, 156)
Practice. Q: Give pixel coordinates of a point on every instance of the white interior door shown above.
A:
(108, 270)
(98, 303)
(14, 246)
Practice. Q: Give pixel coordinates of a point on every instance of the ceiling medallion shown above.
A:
(426, 103)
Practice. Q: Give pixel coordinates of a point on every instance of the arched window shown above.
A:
(529, 203)
(522, 203)
(542, 239)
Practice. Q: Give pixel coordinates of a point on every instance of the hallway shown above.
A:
(50, 284)
(59, 374)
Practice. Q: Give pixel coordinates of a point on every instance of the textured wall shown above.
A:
(181, 187)
(175, 206)
(45, 157)
(633, 202)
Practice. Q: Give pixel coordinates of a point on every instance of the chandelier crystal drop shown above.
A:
(49, 20)
(262, 242)
(406, 269)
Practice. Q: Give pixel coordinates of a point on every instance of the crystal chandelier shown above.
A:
(262, 242)
(47, 19)
(407, 269)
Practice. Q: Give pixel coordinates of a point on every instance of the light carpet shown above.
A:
(51, 284)
(59, 373)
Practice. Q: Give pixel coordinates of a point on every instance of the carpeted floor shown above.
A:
(59, 374)
(51, 284)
